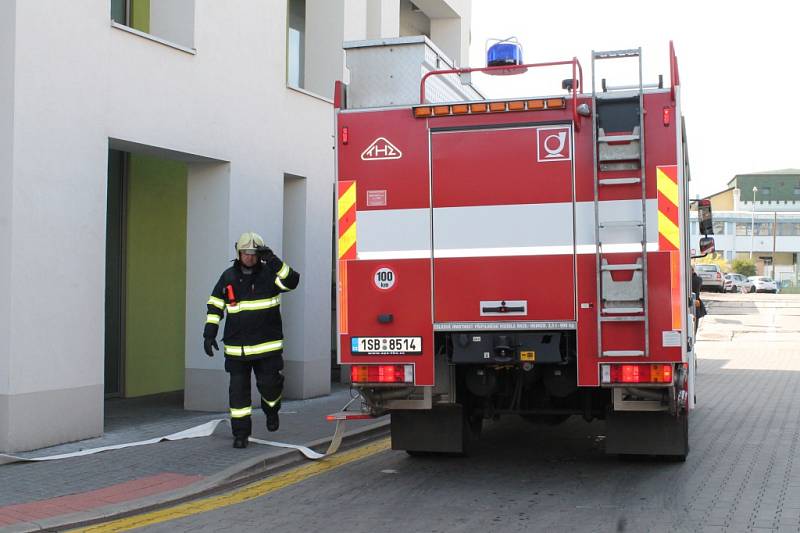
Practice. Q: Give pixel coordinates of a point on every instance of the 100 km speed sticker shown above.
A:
(384, 278)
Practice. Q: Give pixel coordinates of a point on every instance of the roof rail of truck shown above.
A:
(577, 76)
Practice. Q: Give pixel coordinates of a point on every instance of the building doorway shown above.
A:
(145, 275)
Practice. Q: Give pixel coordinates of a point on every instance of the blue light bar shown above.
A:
(504, 53)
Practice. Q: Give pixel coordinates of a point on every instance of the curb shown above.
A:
(233, 476)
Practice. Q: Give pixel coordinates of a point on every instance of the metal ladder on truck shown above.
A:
(619, 161)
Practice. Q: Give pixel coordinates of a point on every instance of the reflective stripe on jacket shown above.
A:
(253, 328)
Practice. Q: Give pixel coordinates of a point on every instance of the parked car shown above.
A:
(712, 277)
(737, 283)
(747, 285)
(763, 284)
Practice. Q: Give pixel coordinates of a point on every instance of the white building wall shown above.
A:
(228, 112)
(324, 37)
(413, 21)
(355, 20)
(741, 203)
(225, 110)
(58, 192)
(7, 54)
(383, 19)
(760, 245)
(450, 27)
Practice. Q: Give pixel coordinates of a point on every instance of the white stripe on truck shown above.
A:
(501, 230)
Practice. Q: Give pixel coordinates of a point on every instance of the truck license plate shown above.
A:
(386, 345)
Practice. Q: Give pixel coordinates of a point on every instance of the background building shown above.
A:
(763, 224)
(138, 139)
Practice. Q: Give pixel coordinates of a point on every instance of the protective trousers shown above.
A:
(269, 381)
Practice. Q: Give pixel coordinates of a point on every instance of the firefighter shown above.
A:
(249, 293)
(699, 307)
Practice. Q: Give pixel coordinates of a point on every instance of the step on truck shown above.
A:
(524, 256)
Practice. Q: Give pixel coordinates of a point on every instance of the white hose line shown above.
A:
(203, 430)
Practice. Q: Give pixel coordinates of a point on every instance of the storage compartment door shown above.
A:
(503, 225)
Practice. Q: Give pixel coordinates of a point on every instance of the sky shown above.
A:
(739, 65)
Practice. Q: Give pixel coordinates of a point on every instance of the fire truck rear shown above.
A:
(521, 256)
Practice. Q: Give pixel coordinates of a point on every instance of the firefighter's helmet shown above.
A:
(247, 242)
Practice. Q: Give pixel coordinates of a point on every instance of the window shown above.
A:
(119, 11)
(132, 13)
(763, 229)
(789, 229)
(171, 22)
(764, 190)
(797, 191)
(296, 45)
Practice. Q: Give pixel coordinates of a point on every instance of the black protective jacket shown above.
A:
(251, 305)
(697, 285)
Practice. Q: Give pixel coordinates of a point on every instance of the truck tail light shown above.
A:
(382, 373)
(636, 373)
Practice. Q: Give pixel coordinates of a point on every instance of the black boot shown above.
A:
(273, 422)
(240, 442)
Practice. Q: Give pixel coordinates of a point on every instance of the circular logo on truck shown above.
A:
(384, 278)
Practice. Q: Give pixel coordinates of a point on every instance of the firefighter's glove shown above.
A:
(208, 343)
(265, 253)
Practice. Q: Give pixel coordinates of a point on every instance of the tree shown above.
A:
(745, 267)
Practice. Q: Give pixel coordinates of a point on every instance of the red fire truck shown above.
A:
(523, 256)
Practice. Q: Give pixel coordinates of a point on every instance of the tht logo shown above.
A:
(381, 149)
(553, 144)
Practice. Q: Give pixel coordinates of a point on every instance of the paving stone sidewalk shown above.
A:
(34, 495)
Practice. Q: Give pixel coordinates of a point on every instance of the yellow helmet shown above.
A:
(248, 241)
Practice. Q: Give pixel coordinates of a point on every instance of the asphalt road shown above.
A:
(741, 473)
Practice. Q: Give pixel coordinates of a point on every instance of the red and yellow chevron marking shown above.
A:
(347, 220)
(669, 235)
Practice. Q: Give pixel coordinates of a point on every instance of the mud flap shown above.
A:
(647, 433)
(439, 430)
